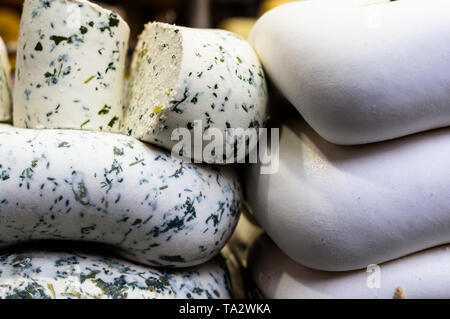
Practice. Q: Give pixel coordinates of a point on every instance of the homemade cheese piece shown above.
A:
(70, 66)
(339, 208)
(424, 275)
(49, 273)
(361, 71)
(180, 76)
(113, 189)
(5, 89)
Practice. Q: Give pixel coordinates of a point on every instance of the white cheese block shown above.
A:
(67, 273)
(423, 275)
(361, 71)
(339, 208)
(70, 66)
(5, 88)
(113, 189)
(181, 75)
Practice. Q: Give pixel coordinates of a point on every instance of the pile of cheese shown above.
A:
(74, 165)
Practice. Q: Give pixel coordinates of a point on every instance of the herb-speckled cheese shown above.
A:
(5, 89)
(70, 66)
(113, 189)
(78, 274)
(180, 75)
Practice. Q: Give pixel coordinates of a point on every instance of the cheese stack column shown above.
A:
(70, 66)
(49, 273)
(5, 90)
(182, 75)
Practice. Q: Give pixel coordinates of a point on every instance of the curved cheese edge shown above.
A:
(5, 84)
(113, 189)
(68, 273)
(181, 75)
(352, 78)
(342, 208)
(423, 275)
(70, 66)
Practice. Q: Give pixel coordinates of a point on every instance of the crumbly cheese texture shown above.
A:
(70, 66)
(113, 189)
(181, 75)
(78, 274)
(5, 88)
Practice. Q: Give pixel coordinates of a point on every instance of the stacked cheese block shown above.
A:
(5, 85)
(358, 72)
(67, 172)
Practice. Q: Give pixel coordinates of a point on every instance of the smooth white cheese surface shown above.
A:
(70, 66)
(361, 71)
(116, 190)
(341, 208)
(69, 273)
(181, 75)
(422, 275)
(5, 89)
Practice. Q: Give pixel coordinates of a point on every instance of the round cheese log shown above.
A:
(339, 208)
(70, 66)
(424, 275)
(5, 89)
(78, 274)
(357, 71)
(180, 76)
(113, 189)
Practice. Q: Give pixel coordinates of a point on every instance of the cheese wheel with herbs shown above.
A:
(49, 272)
(70, 66)
(112, 189)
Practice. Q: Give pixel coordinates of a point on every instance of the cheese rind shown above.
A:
(113, 189)
(70, 66)
(5, 85)
(353, 79)
(181, 75)
(423, 275)
(49, 273)
(338, 208)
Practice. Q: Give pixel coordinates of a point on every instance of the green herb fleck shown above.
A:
(89, 80)
(85, 123)
(38, 47)
(113, 121)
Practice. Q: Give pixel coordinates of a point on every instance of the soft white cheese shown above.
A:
(70, 66)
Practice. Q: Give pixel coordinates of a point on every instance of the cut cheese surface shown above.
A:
(180, 76)
(70, 66)
(113, 189)
(49, 272)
